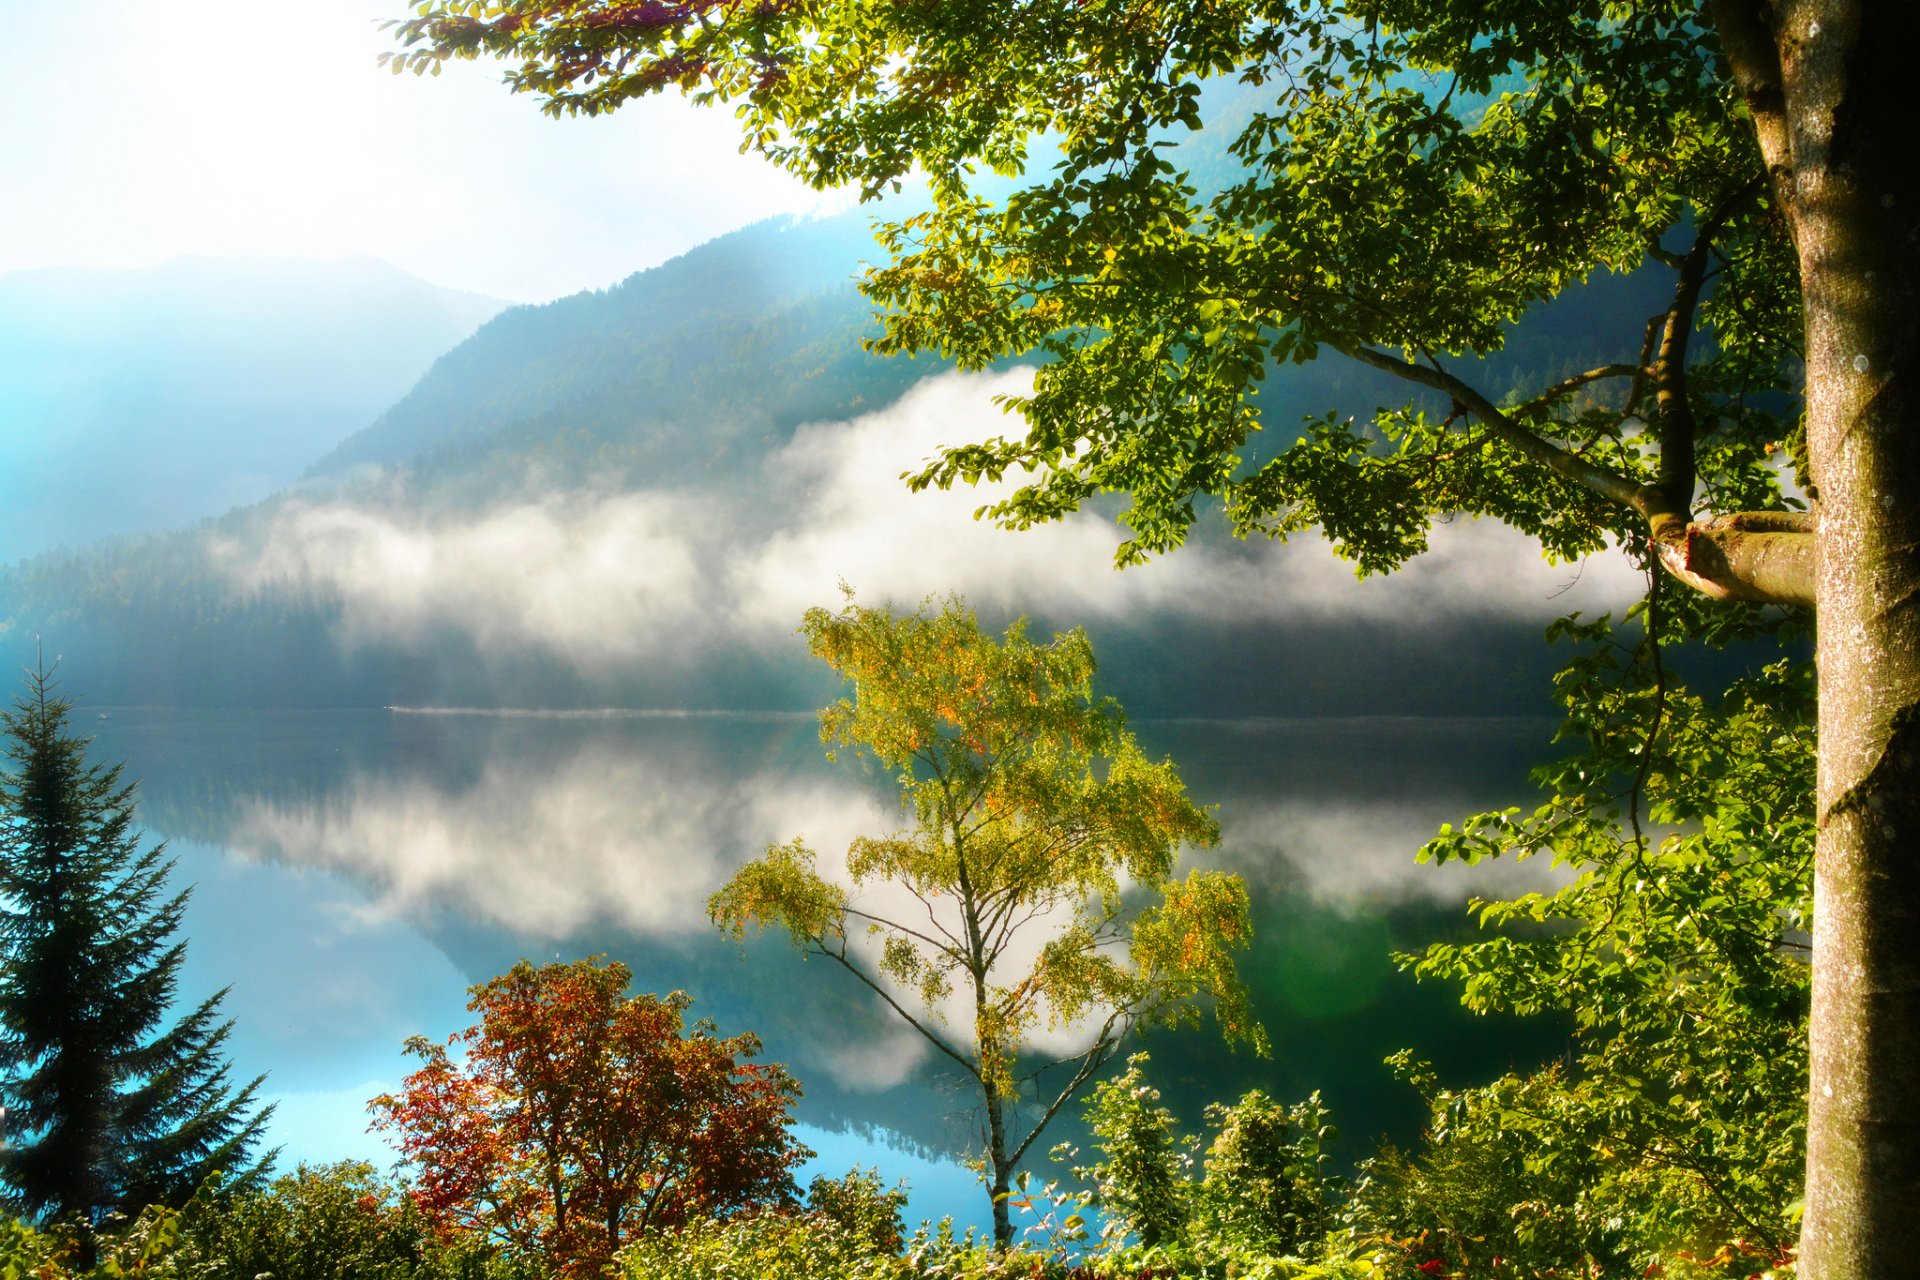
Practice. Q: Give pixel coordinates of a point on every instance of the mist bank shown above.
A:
(689, 596)
(627, 498)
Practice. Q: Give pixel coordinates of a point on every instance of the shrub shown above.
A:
(860, 1206)
(1142, 1181)
(1266, 1186)
(328, 1222)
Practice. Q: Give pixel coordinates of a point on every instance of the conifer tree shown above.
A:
(109, 1105)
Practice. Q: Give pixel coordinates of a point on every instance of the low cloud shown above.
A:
(861, 524)
(594, 579)
(606, 580)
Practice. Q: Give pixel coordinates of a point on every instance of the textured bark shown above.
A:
(1745, 556)
(1844, 169)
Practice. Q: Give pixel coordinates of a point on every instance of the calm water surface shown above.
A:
(357, 870)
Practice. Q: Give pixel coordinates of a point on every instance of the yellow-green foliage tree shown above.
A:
(1035, 887)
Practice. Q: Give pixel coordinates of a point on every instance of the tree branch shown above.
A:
(1534, 447)
(841, 958)
(1766, 557)
(1095, 1058)
(1753, 56)
(950, 945)
(1568, 386)
(1726, 559)
(1677, 426)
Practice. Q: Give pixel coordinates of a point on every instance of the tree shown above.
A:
(1676, 952)
(579, 1118)
(108, 1107)
(1035, 885)
(1416, 175)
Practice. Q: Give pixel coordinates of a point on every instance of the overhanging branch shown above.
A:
(1677, 427)
(1566, 387)
(1530, 445)
(1765, 557)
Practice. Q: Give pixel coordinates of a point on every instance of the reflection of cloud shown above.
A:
(600, 839)
(1346, 850)
(621, 838)
(868, 1065)
(602, 580)
(612, 836)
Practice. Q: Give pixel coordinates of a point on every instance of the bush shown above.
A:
(1143, 1180)
(1489, 1195)
(144, 1247)
(329, 1222)
(860, 1207)
(1265, 1193)
(1266, 1187)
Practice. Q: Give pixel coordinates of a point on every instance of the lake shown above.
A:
(356, 870)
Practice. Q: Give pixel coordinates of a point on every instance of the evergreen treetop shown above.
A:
(109, 1107)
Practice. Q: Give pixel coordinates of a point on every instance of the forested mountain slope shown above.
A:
(627, 497)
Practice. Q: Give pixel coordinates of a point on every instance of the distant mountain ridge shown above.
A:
(618, 355)
(145, 399)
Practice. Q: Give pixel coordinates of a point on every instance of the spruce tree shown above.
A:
(110, 1106)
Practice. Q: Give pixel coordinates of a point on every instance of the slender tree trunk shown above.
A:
(1855, 190)
(1002, 1167)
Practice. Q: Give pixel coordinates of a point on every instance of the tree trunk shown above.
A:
(1854, 193)
(1001, 1166)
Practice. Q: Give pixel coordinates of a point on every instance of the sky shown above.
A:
(137, 133)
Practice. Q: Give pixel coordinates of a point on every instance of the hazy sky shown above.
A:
(138, 132)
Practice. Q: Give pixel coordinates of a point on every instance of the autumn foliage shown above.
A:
(573, 1118)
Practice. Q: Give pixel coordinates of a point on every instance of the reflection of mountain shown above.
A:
(627, 497)
(510, 836)
(138, 400)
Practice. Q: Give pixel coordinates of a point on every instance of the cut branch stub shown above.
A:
(1767, 557)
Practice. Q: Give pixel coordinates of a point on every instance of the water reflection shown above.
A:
(357, 870)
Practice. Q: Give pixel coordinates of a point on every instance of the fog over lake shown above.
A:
(627, 499)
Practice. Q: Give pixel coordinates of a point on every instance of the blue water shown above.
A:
(355, 871)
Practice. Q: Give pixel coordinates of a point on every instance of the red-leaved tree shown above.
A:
(577, 1118)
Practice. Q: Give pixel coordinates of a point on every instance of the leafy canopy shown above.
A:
(1678, 949)
(1035, 887)
(1403, 180)
(578, 1118)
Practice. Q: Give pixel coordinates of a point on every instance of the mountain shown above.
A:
(646, 351)
(628, 497)
(135, 400)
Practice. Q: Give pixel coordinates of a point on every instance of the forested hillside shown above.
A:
(694, 455)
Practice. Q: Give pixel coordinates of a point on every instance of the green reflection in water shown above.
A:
(1324, 965)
